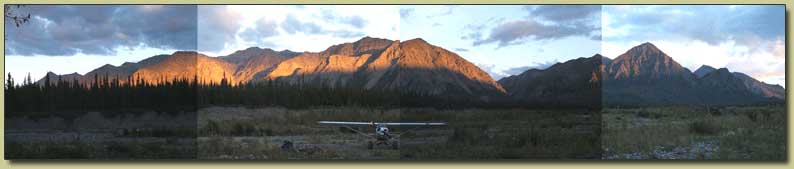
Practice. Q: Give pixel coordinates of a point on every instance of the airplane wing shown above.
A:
(347, 123)
(415, 124)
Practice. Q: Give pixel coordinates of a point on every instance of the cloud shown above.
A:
(545, 22)
(217, 26)
(544, 65)
(356, 21)
(65, 30)
(564, 13)
(406, 12)
(491, 70)
(449, 11)
(461, 50)
(537, 65)
(517, 70)
(743, 38)
(262, 29)
(711, 24)
(475, 32)
(517, 32)
(292, 25)
(347, 34)
(497, 74)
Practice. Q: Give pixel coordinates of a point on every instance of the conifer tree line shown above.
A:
(113, 94)
(103, 94)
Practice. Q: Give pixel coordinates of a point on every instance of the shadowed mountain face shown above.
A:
(644, 75)
(443, 69)
(573, 83)
(722, 87)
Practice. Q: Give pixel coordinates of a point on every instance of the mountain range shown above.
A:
(369, 63)
(643, 75)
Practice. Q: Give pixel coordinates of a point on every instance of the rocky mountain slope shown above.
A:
(370, 63)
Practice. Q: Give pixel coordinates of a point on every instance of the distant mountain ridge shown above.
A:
(576, 82)
(369, 63)
(643, 75)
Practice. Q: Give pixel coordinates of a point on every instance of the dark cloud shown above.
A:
(216, 26)
(65, 30)
(406, 12)
(545, 22)
(517, 32)
(564, 13)
(263, 28)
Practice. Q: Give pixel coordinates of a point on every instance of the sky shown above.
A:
(66, 39)
(225, 29)
(506, 40)
(503, 40)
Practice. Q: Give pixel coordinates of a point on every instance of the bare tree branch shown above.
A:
(11, 13)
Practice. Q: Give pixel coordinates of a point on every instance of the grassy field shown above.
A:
(240, 133)
(111, 148)
(724, 133)
(102, 136)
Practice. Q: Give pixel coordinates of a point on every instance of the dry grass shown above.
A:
(472, 133)
(144, 148)
(729, 133)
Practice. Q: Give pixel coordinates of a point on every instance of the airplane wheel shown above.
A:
(370, 145)
(395, 145)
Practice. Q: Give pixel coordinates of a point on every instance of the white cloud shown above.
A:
(375, 21)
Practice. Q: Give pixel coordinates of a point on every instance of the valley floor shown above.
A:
(239, 133)
(727, 133)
